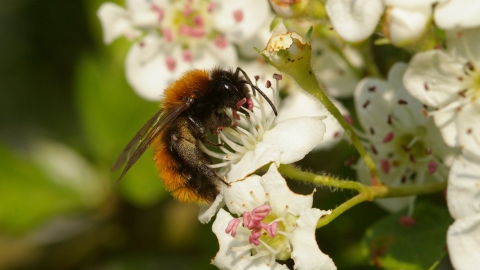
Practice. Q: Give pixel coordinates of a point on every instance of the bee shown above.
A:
(192, 106)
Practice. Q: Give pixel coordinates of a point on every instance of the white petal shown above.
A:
(244, 195)
(433, 77)
(224, 21)
(115, 22)
(463, 193)
(209, 56)
(411, 112)
(287, 142)
(306, 254)
(463, 45)
(207, 212)
(457, 13)
(280, 195)
(354, 20)
(146, 67)
(299, 104)
(407, 25)
(463, 241)
(373, 104)
(468, 126)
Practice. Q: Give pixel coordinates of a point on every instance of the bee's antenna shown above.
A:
(256, 88)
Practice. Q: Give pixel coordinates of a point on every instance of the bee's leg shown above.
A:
(200, 131)
(190, 153)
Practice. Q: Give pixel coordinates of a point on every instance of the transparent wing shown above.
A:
(144, 138)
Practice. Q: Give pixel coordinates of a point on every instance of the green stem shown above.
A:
(294, 173)
(342, 208)
(366, 193)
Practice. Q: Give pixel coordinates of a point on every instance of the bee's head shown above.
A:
(232, 88)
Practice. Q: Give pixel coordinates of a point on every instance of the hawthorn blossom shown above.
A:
(405, 144)
(261, 141)
(273, 224)
(174, 36)
(264, 139)
(449, 81)
(463, 197)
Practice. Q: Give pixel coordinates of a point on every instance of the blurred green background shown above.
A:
(66, 113)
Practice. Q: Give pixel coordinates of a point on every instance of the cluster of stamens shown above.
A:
(189, 25)
(253, 221)
(241, 139)
(411, 150)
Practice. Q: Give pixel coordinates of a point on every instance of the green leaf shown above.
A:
(28, 197)
(392, 246)
(111, 114)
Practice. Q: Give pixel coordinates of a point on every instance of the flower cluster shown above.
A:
(419, 125)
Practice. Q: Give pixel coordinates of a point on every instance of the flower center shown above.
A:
(268, 234)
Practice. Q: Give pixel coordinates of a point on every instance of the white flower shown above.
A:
(449, 81)
(180, 35)
(266, 140)
(354, 20)
(463, 197)
(406, 145)
(274, 224)
(457, 14)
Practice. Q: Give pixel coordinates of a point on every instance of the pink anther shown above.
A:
(241, 102)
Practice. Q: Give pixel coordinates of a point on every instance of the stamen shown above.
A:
(232, 227)
(237, 148)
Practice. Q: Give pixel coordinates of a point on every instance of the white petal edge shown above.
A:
(114, 22)
(306, 253)
(463, 241)
(207, 212)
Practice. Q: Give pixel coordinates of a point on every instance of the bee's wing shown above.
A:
(142, 140)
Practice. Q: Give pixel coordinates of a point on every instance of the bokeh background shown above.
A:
(66, 112)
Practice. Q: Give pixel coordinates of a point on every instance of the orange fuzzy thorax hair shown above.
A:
(191, 84)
